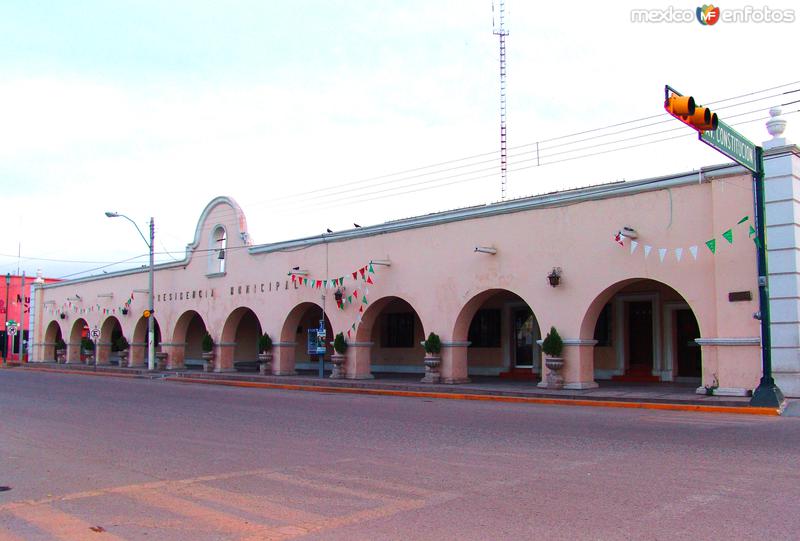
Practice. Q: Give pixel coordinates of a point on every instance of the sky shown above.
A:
(319, 114)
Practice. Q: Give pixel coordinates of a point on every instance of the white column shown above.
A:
(782, 196)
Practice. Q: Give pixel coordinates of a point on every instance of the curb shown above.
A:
(663, 406)
(742, 410)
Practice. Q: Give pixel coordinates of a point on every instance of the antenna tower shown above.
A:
(499, 29)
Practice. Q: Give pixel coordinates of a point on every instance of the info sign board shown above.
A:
(733, 144)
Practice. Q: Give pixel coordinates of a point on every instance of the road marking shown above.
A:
(379, 484)
(208, 517)
(259, 505)
(303, 482)
(59, 524)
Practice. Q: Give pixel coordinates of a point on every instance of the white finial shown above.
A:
(39, 277)
(775, 125)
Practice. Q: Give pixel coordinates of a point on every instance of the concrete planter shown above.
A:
(432, 364)
(161, 360)
(61, 356)
(208, 364)
(123, 358)
(265, 363)
(554, 378)
(337, 359)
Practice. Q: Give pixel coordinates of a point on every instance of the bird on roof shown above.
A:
(356, 225)
(330, 230)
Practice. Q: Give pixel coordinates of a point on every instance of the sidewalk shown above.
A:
(669, 396)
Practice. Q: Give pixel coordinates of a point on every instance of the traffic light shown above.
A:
(146, 314)
(687, 111)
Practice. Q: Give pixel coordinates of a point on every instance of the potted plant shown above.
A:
(61, 350)
(87, 347)
(433, 359)
(338, 357)
(121, 345)
(552, 346)
(264, 354)
(208, 352)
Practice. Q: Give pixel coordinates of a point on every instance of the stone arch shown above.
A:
(52, 335)
(78, 331)
(138, 341)
(242, 329)
(300, 319)
(497, 333)
(643, 329)
(389, 334)
(189, 330)
(110, 331)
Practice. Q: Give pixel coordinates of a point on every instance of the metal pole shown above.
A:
(767, 394)
(21, 324)
(322, 322)
(5, 326)
(151, 324)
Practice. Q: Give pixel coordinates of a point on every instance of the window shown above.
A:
(217, 254)
(398, 331)
(484, 331)
(602, 329)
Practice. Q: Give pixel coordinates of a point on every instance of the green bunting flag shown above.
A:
(364, 300)
(728, 236)
(371, 270)
(743, 220)
(712, 245)
(758, 242)
(752, 231)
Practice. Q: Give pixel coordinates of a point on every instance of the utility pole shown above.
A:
(500, 31)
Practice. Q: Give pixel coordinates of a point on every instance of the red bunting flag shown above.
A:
(355, 274)
(348, 333)
(361, 309)
(369, 280)
(362, 270)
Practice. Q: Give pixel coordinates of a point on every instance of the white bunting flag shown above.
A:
(647, 249)
(693, 250)
(679, 253)
(634, 245)
(661, 253)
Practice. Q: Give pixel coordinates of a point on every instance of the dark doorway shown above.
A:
(640, 337)
(524, 337)
(687, 350)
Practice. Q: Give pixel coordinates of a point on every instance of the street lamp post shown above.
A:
(151, 329)
(5, 326)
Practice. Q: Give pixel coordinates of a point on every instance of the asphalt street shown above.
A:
(110, 458)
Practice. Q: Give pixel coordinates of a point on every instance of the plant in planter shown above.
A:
(87, 346)
(207, 346)
(121, 345)
(61, 350)
(338, 357)
(552, 346)
(264, 354)
(433, 359)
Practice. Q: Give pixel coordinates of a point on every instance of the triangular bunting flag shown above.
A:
(647, 250)
(361, 309)
(354, 326)
(325, 284)
(618, 238)
(758, 242)
(634, 245)
(752, 231)
(712, 245)
(728, 235)
(693, 250)
(355, 275)
(369, 280)
(661, 253)
(364, 300)
(362, 270)
(349, 299)
(371, 270)
(743, 220)
(678, 253)
(348, 333)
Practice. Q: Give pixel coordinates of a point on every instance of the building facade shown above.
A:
(671, 298)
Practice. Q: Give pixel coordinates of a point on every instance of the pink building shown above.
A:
(670, 300)
(15, 304)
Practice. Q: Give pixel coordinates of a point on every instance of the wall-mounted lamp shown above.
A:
(75, 298)
(298, 271)
(486, 250)
(628, 232)
(62, 315)
(338, 295)
(382, 262)
(555, 276)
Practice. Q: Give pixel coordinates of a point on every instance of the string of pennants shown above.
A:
(69, 307)
(364, 275)
(679, 253)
